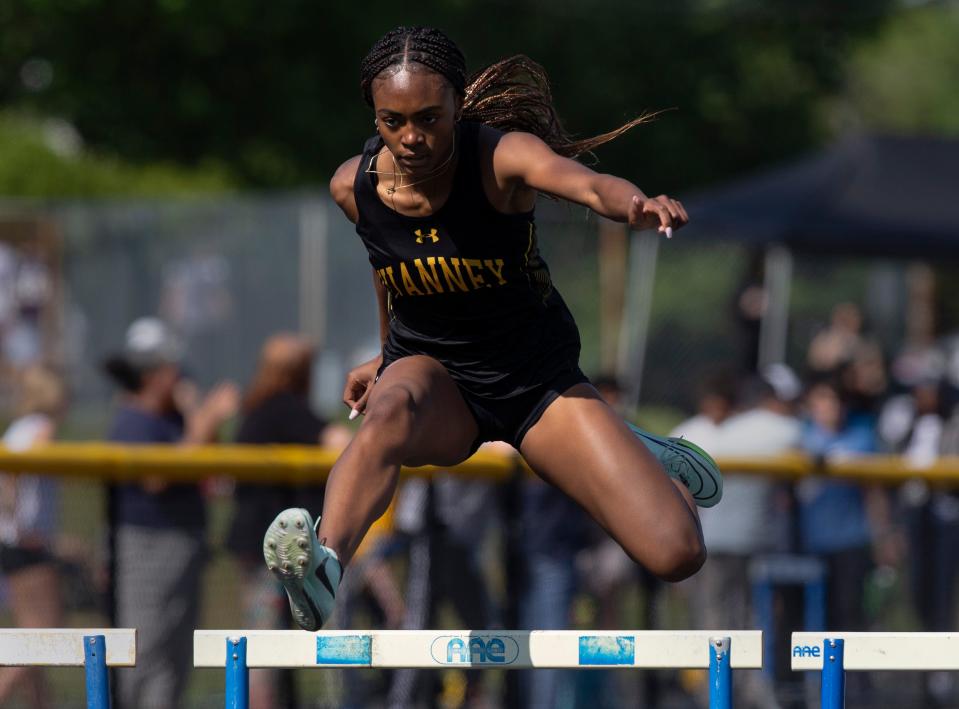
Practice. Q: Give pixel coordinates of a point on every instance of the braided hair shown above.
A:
(510, 95)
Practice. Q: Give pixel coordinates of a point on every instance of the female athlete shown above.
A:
(477, 344)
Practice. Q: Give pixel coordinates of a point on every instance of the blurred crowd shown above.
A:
(458, 552)
(26, 295)
(864, 544)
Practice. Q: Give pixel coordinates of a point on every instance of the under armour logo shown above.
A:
(421, 237)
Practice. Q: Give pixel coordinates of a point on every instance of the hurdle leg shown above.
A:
(833, 675)
(237, 674)
(720, 674)
(95, 664)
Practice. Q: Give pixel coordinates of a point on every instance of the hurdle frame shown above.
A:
(94, 649)
(719, 652)
(835, 653)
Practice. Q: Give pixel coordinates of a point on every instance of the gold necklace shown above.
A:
(391, 190)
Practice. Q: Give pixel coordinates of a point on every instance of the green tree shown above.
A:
(906, 80)
(31, 167)
(270, 90)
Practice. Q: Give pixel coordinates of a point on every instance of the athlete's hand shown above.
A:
(359, 384)
(661, 213)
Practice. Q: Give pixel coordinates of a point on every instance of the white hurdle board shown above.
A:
(63, 647)
(507, 649)
(879, 651)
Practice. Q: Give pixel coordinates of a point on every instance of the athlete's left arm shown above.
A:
(522, 158)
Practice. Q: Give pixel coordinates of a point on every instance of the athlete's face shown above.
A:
(416, 113)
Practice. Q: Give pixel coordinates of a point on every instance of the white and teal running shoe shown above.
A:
(309, 571)
(688, 463)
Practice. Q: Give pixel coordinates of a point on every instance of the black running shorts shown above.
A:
(510, 418)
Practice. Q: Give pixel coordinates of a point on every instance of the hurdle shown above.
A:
(720, 652)
(93, 649)
(834, 654)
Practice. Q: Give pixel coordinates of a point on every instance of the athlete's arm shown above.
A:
(360, 380)
(341, 187)
(523, 160)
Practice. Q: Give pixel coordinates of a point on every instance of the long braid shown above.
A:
(511, 95)
(514, 95)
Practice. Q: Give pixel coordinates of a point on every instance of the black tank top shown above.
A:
(466, 284)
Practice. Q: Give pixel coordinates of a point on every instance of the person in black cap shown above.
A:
(160, 527)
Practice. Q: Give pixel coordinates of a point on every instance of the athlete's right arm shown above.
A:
(360, 380)
(341, 187)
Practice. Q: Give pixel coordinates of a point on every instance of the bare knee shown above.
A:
(679, 552)
(390, 419)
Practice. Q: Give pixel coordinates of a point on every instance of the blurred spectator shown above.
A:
(275, 410)
(29, 506)
(713, 406)
(919, 361)
(25, 290)
(835, 523)
(159, 538)
(855, 359)
(753, 516)
(864, 379)
(921, 358)
(611, 390)
(924, 440)
(835, 345)
(844, 524)
(932, 521)
(33, 291)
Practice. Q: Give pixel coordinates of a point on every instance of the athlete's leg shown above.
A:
(415, 416)
(583, 447)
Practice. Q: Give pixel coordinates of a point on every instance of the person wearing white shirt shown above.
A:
(29, 506)
(748, 522)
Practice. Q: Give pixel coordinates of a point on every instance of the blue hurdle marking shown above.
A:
(603, 651)
(344, 650)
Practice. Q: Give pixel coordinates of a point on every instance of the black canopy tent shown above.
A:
(868, 195)
(871, 196)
